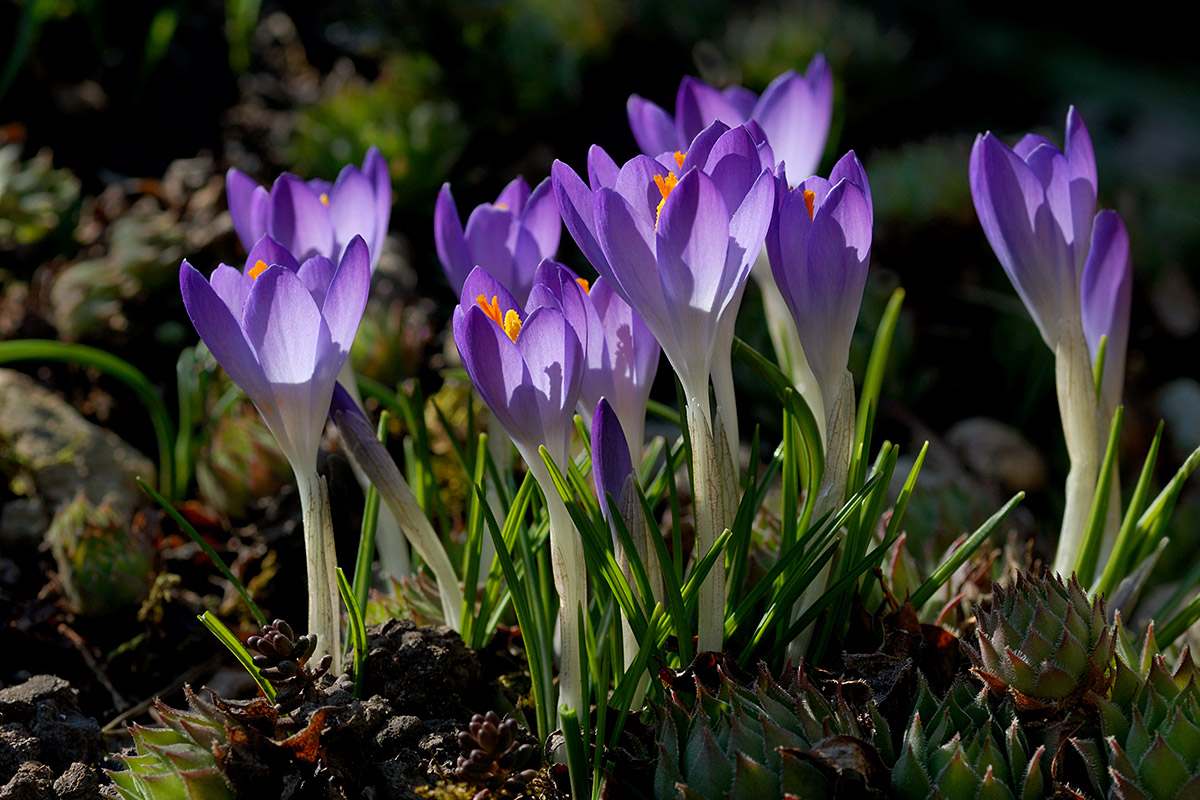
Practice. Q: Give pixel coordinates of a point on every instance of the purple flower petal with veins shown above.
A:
(315, 217)
(282, 334)
(508, 238)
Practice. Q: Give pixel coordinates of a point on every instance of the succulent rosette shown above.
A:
(794, 111)
(315, 217)
(819, 246)
(958, 750)
(1044, 644)
(1150, 748)
(508, 238)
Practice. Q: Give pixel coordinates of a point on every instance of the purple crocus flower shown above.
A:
(527, 367)
(675, 244)
(1105, 297)
(620, 354)
(315, 217)
(818, 245)
(794, 112)
(1036, 205)
(508, 238)
(282, 331)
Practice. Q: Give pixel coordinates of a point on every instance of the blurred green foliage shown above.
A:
(419, 132)
(35, 198)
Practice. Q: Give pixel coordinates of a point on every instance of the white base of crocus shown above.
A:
(324, 609)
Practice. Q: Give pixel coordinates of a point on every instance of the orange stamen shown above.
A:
(259, 268)
(665, 187)
(510, 323)
(324, 199)
(583, 283)
(503, 206)
(492, 309)
(679, 157)
(809, 198)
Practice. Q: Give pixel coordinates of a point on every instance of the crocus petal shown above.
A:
(346, 298)
(553, 356)
(611, 463)
(514, 195)
(450, 240)
(297, 219)
(498, 373)
(748, 228)
(653, 128)
(233, 287)
(480, 283)
(696, 106)
(699, 147)
(352, 210)
(488, 230)
(1010, 202)
(795, 111)
(602, 170)
(285, 328)
(693, 237)
(635, 182)
(734, 165)
(270, 252)
(283, 324)
(575, 205)
(1105, 297)
(629, 260)
(376, 170)
(849, 168)
(741, 99)
(540, 217)
(247, 206)
(220, 330)
(316, 274)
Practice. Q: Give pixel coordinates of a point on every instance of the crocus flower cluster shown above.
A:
(315, 217)
(794, 113)
(1071, 268)
(508, 238)
(675, 237)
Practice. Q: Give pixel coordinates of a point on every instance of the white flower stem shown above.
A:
(570, 581)
(712, 468)
(1080, 420)
(324, 611)
(830, 493)
(630, 508)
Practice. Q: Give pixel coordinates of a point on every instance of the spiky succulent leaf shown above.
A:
(1044, 644)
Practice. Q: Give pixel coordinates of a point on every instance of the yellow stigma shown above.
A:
(809, 198)
(259, 268)
(503, 206)
(324, 199)
(510, 323)
(679, 157)
(583, 283)
(665, 187)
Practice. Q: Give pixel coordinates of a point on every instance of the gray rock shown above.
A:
(33, 781)
(80, 782)
(49, 446)
(45, 706)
